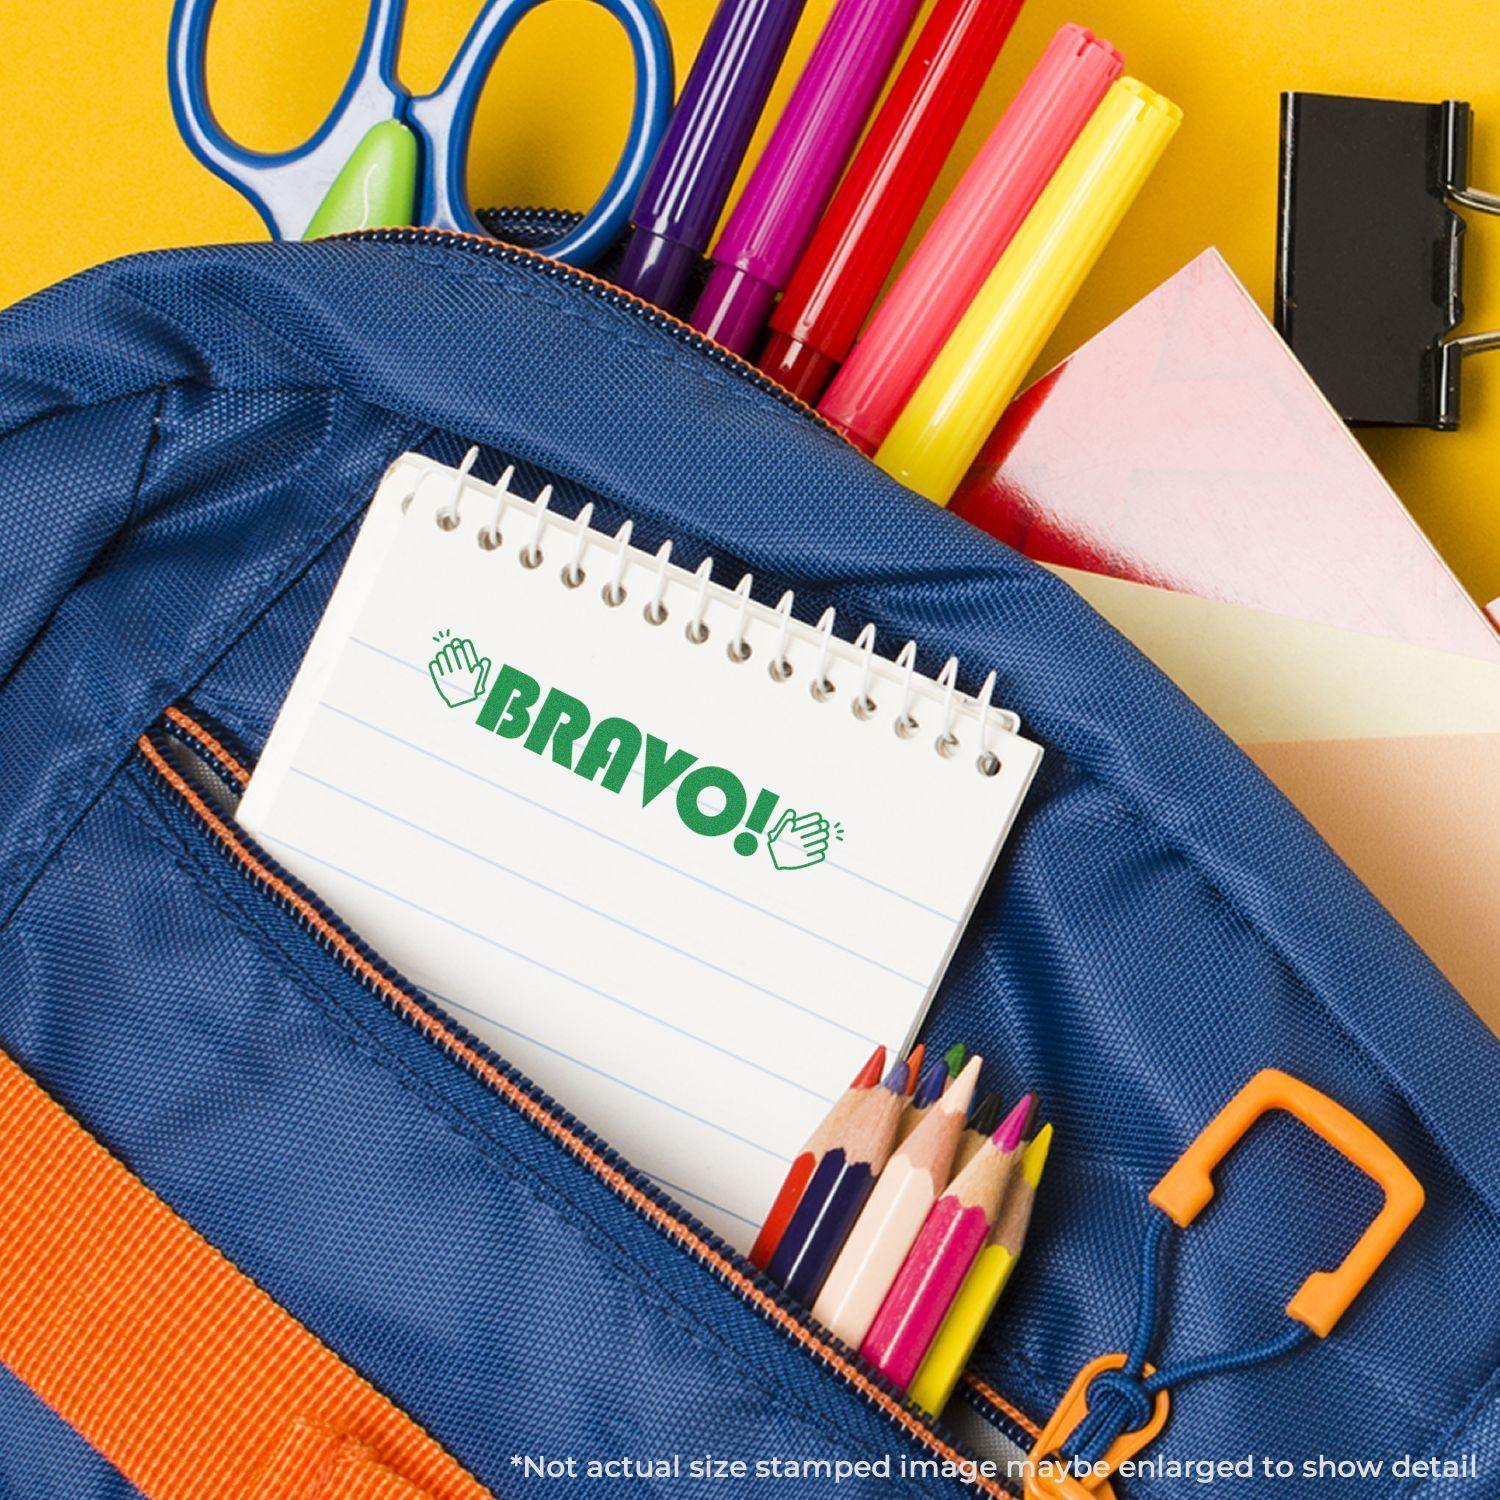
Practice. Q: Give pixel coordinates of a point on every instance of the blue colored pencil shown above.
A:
(838, 1190)
(929, 1090)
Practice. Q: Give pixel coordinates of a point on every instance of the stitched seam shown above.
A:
(95, 772)
(611, 1176)
(1482, 1399)
(426, 255)
(748, 370)
(517, 1173)
(147, 448)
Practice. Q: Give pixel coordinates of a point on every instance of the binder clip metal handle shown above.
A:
(1369, 275)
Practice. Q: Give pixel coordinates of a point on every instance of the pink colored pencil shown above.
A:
(892, 1219)
(932, 1273)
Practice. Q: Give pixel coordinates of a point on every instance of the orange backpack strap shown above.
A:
(162, 1355)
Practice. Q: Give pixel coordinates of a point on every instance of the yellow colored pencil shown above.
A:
(976, 1299)
(953, 410)
(908, 1187)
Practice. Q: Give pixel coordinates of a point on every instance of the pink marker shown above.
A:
(968, 236)
(953, 1235)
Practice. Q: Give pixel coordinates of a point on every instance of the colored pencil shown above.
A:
(981, 1127)
(838, 1189)
(983, 1285)
(894, 1216)
(950, 1240)
(928, 1091)
(914, 1066)
(800, 1172)
(955, 1057)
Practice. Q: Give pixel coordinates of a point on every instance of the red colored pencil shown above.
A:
(806, 1161)
(932, 1273)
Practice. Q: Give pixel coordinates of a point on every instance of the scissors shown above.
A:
(385, 156)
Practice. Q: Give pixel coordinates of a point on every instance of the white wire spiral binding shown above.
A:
(824, 687)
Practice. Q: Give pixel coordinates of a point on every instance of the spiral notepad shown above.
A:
(680, 856)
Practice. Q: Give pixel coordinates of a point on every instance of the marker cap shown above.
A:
(802, 369)
(657, 268)
(733, 307)
(969, 234)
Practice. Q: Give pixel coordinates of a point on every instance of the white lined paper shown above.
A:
(698, 1009)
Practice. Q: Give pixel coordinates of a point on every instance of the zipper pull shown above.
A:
(1051, 1476)
(1129, 1398)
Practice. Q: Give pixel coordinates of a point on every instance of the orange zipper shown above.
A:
(746, 1284)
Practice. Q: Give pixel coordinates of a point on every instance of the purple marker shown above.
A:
(789, 188)
(700, 154)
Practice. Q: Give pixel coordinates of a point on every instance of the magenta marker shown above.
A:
(792, 181)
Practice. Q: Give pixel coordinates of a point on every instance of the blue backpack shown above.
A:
(188, 442)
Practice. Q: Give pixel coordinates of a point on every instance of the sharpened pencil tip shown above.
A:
(1008, 1136)
(869, 1075)
(914, 1065)
(954, 1057)
(1034, 1158)
(895, 1080)
(961, 1091)
(931, 1084)
(986, 1114)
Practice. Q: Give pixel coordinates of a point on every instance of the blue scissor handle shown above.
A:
(288, 186)
(444, 121)
(285, 186)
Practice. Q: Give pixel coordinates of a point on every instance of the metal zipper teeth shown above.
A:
(361, 962)
(603, 291)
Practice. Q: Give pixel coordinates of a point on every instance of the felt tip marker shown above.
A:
(850, 255)
(960, 398)
(769, 226)
(969, 235)
(706, 140)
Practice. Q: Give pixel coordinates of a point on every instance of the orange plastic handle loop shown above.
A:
(1322, 1299)
(1049, 1484)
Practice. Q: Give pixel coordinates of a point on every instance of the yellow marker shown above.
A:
(981, 1288)
(942, 428)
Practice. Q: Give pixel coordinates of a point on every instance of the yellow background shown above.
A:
(94, 166)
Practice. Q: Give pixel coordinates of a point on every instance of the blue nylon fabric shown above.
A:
(186, 442)
(41, 1456)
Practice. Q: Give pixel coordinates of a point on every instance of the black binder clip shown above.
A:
(1369, 253)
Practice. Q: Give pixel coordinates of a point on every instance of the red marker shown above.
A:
(846, 262)
(967, 237)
